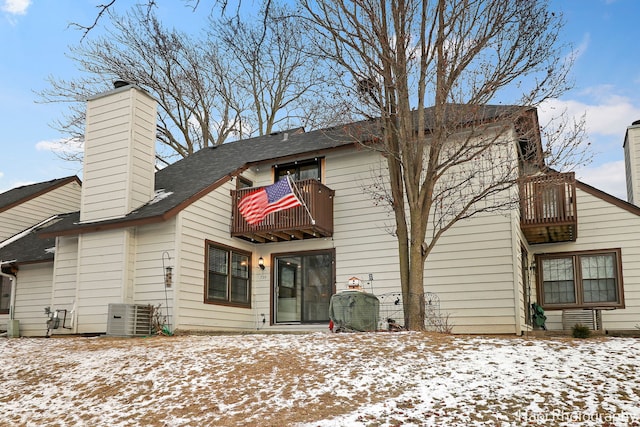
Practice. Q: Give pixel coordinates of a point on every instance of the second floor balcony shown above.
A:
(548, 208)
(313, 219)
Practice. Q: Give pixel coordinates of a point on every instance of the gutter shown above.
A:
(23, 233)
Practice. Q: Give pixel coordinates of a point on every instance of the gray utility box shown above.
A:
(354, 311)
(129, 320)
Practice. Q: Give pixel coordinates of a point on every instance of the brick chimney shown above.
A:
(119, 153)
(632, 162)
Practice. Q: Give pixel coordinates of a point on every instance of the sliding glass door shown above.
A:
(303, 285)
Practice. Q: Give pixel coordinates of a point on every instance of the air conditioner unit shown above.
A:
(589, 318)
(129, 320)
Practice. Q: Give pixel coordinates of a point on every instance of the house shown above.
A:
(24, 206)
(175, 239)
(22, 211)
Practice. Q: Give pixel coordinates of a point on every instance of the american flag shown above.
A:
(260, 203)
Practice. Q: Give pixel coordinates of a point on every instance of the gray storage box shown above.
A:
(355, 311)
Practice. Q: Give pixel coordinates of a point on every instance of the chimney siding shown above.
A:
(632, 163)
(119, 153)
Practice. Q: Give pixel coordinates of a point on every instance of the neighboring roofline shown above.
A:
(63, 182)
(124, 222)
(630, 207)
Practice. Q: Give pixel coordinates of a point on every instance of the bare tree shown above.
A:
(104, 9)
(193, 85)
(210, 88)
(283, 83)
(430, 69)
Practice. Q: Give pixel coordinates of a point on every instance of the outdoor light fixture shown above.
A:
(261, 263)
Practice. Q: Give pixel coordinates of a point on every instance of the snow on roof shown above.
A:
(26, 232)
(160, 194)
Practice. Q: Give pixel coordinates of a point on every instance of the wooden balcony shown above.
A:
(548, 208)
(290, 224)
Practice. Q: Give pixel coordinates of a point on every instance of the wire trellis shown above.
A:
(392, 312)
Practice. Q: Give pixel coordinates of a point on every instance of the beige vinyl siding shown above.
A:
(471, 269)
(362, 238)
(520, 303)
(102, 274)
(65, 277)
(123, 266)
(602, 225)
(361, 241)
(59, 200)
(632, 163)
(155, 243)
(33, 294)
(119, 154)
(130, 267)
(474, 267)
(208, 218)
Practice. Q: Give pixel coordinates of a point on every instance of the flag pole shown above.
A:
(292, 182)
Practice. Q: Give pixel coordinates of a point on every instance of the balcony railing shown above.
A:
(548, 208)
(313, 221)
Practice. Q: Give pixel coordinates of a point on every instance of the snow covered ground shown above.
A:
(320, 379)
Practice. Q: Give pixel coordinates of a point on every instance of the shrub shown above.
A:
(581, 331)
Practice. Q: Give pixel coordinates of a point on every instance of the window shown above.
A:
(5, 294)
(307, 169)
(227, 279)
(243, 182)
(580, 280)
(303, 285)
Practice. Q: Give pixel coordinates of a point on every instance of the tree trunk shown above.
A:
(415, 301)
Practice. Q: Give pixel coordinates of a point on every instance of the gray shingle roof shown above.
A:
(21, 194)
(191, 177)
(28, 246)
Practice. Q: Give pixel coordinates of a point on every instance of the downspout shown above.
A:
(516, 249)
(14, 283)
(517, 308)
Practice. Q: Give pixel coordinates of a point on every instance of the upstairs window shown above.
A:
(305, 169)
(243, 182)
(581, 280)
